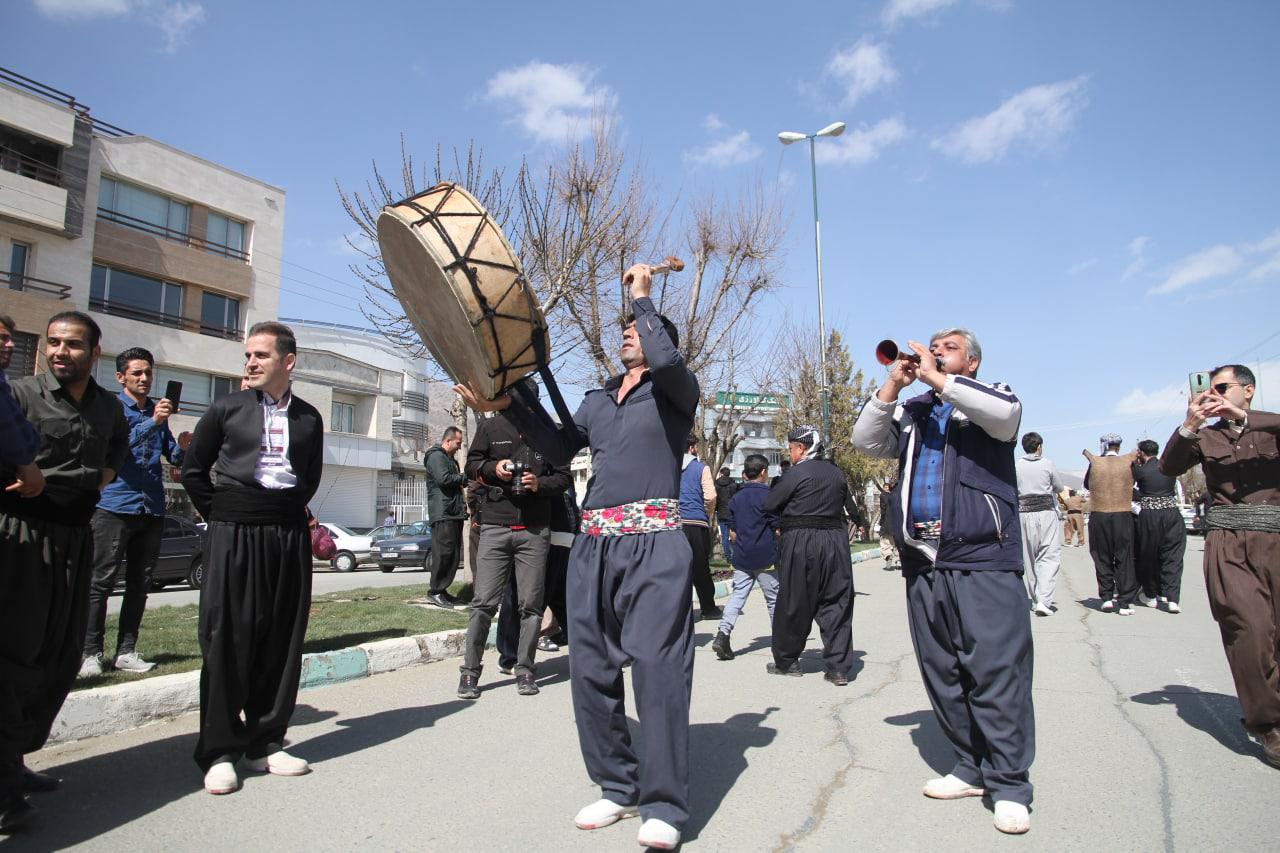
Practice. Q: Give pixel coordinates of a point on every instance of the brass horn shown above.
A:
(887, 352)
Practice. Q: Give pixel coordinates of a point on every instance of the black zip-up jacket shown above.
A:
(498, 439)
(726, 488)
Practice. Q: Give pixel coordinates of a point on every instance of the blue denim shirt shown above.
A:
(926, 480)
(139, 486)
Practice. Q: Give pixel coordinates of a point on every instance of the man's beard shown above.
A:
(78, 371)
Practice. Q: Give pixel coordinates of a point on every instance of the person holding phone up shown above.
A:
(129, 520)
(1241, 465)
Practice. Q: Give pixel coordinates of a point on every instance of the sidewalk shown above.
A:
(1139, 749)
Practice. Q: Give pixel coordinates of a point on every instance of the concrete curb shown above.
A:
(108, 710)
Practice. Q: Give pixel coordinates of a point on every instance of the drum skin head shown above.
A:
(461, 286)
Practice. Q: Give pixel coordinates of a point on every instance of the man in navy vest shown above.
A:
(697, 505)
(955, 519)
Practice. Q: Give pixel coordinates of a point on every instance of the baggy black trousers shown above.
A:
(815, 583)
(253, 618)
(446, 549)
(1160, 537)
(699, 537)
(972, 636)
(1111, 546)
(44, 608)
(629, 600)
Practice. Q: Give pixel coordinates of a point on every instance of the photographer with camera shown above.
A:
(519, 485)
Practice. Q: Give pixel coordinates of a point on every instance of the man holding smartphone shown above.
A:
(1238, 455)
(129, 520)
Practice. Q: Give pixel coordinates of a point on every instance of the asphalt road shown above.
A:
(1139, 748)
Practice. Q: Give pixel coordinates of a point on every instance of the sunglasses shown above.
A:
(1222, 387)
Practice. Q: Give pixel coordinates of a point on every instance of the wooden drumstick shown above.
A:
(669, 264)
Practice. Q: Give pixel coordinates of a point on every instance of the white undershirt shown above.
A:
(273, 470)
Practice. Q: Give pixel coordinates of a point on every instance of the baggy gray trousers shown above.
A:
(503, 550)
(1041, 554)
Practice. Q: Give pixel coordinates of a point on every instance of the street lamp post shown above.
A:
(786, 138)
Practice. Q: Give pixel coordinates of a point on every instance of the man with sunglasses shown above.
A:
(1241, 465)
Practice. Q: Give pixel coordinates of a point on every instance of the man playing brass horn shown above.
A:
(629, 571)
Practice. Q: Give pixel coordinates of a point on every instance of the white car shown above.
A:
(353, 548)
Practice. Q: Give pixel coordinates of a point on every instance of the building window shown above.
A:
(225, 237)
(23, 360)
(143, 209)
(198, 389)
(219, 315)
(30, 157)
(343, 417)
(775, 457)
(138, 297)
(224, 385)
(18, 257)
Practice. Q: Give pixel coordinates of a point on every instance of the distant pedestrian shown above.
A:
(1160, 534)
(1073, 525)
(446, 509)
(888, 549)
(725, 489)
(697, 506)
(755, 551)
(390, 520)
(782, 469)
(1109, 480)
(1038, 490)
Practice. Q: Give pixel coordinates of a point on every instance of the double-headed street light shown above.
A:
(786, 138)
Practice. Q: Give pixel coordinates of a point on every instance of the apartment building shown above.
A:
(166, 250)
(758, 414)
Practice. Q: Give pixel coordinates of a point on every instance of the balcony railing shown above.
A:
(171, 234)
(12, 160)
(159, 318)
(60, 97)
(18, 281)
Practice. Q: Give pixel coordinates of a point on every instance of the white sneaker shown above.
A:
(133, 662)
(1147, 602)
(222, 779)
(278, 763)
(1011, 817)
(90, 666)
(1108, 605)
(658, 834)
(1125, 611)
(1042, 610)
(602, 813)
(950, 787)
(1173, 607)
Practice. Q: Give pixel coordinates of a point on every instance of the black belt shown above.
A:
(811, 522)
(1036, 503)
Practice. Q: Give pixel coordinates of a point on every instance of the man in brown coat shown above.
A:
(1073, 522)
(1110, 484)
(1242, 545)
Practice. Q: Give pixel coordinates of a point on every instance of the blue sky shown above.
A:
(1092, 187)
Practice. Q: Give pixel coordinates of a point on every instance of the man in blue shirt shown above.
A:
(129, 520)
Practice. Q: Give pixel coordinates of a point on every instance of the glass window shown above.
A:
(219, 314)
(22, 362)
(343, 417)
(138, 296)
(143, 209)
(224, 385)
(225, 236)
(18, 265)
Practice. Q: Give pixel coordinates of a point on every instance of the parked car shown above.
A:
(181, 556)
(412, 548)
(1190, 520)
(386, 531)
(352, 547)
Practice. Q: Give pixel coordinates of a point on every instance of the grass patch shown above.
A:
(338, 620)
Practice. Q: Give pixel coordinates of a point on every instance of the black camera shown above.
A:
(518, 469)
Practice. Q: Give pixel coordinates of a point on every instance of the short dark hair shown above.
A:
(691, 441)
(286, 343)
(754, 465)
(667, 325)
(133, 354)
(785, 463)
(79, 318)
(1242, 374)
(724, 471)
(1149, 447)
(450, 432)
(7, 322)
(1031, 442)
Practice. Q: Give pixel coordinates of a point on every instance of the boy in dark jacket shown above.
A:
(755, 551)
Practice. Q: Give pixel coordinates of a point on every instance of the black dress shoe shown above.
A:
(453, 600)
(38, 783)
(439, 600)
(793, 670)
(710, 613)
(839, 679)
(720, 645)
(15, 813)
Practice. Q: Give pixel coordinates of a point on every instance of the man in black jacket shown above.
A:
(446, 507)
(515, 537)
(265, 447)
(726, 488)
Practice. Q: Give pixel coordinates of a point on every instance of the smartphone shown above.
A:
(1199, 382)
(173, 393)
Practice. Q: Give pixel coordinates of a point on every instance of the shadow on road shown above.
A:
(717, 757)
(928, 739)
(1215, 714)
(1090, 603)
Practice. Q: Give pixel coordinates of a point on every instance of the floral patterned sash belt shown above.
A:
(639, 517)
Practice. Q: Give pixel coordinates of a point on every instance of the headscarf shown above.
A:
(1107, 440)
(810, 438)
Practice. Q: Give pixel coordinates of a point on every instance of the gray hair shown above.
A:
(972, 349)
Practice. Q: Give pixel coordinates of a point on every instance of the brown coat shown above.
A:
(1239, 468)
(1110, 480)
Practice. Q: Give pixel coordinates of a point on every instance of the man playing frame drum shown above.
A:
(629, 573)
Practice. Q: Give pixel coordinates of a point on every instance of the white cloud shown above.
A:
(713, 123)
(862, 69)
(1137, 251)
(863, 144)
(175, 20)
(1210, 263)
(1038, 116)
(1138, 245)
(1265, 270)
(733, 150)
(1168, 400)
(1269, 243)
(1076, 269)
(551, 102)
(896, 11)
(353, 243)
